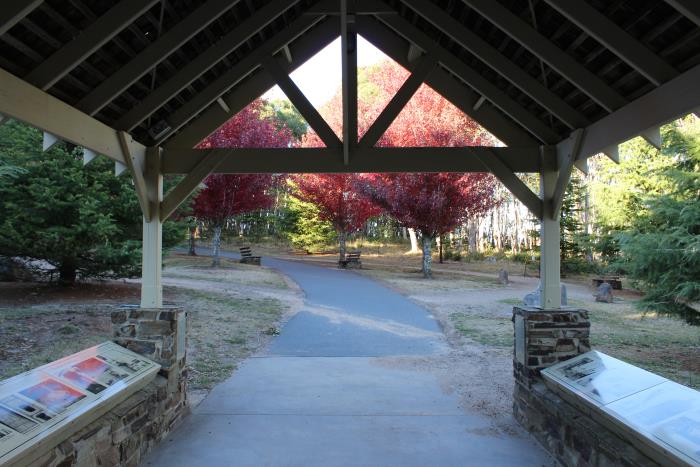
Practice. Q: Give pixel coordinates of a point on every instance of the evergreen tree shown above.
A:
(84, 221)
(661, 250)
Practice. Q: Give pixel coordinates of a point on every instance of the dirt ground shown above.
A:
(234, 311)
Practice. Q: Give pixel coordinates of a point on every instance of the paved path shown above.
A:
(319, 397)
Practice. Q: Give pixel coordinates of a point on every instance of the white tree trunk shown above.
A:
(414, 240)
(216, 246)
(427, 256)
(342, 237)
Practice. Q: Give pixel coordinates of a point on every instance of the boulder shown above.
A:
(503, 277)
(533, 298)
(604, 293)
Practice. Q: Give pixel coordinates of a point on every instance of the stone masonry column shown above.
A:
(542, 338)
(159, 334)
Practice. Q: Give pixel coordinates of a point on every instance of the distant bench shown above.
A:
(352, 260)
(614, 281)
(247, 256)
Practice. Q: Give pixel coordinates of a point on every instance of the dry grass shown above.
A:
(233, 312)
(478, 308)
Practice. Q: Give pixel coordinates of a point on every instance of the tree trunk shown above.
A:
(67, 273)
(414, 240)
(342, 238)
(193, 246)
(439, 243)
(216, 246)
(427, 257)
(473, 232)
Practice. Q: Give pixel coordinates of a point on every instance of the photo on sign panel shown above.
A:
(53, 395)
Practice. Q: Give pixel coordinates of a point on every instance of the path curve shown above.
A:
(319, 395)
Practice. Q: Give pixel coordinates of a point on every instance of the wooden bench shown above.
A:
(352, 260)
(614, 281)
(247, 257)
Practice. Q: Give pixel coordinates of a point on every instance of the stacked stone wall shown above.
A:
(575, 437)
(122, 436)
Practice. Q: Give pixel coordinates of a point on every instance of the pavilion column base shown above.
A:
(544, 337)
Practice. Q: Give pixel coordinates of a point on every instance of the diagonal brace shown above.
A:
(187, 185)
(516, 186)
(136, 168)
(398, 102)
(307, 110)
(566, 157)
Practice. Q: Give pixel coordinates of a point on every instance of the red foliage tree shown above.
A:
(431, 203)
(251, 128)
(338, 202)
(228, 195)
(427, 120)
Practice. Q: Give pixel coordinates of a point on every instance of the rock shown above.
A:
(604, 293)
(503, 277)
(533, 298)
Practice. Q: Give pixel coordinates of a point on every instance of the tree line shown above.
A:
(639, 217)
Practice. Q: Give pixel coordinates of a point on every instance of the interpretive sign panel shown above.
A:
(38, 406)
(663, 414)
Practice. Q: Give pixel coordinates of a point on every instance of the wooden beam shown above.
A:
(675, 99)
(481, 84)
(348, 48)
(399, 101)
(14, 11)
(302, 104)
(517, 187)
(152, 55)
(22, 101)
(541, 47)
(361, 7)
(136, 164)
(245, 92)
(502, 65)
(446, 84)
(605, 31)
(98, 33)
(567, 154)
(202, 63)
(689, 8)
(238, 72)
(206, 165)
(329, 160)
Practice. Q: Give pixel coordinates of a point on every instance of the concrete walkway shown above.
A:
(318, 396)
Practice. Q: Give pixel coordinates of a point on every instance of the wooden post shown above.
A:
(151, 284)
(550, 298)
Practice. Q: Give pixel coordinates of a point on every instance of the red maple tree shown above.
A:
(250, 128)
(338, 201)
(227, 195)
(428, 120)
(431, 203)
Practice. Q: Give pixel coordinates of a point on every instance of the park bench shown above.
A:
(352, 260)
(614, 281)
(247, 256)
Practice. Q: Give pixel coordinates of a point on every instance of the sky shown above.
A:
(319, 77)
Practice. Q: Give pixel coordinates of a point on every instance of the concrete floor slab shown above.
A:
(320, 397)
(328, 386)
(304, 440)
